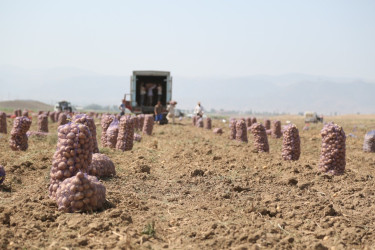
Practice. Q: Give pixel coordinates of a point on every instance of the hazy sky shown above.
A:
(192, 38)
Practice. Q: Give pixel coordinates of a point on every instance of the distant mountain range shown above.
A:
(290, 93)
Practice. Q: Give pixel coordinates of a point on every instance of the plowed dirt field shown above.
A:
(187, 188)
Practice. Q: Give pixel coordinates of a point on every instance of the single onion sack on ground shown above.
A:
(52, 116)
(101, 166)
(276, 129)
(291, 149)
(125, 138)
(369, 142)
(82, 193)
(18, 138)
(208, 124)
(3, 123)
(241, 131)
(267, 124)
(90, 123)
(253, 120)
(141, 120)
(199, 123)
(43, 123)
(105, 122)
(148, 125)
(194, 120)
(248, 122)
(135, 121)
(218, 131)
(260, 138)
(332, 157)
(63, 119)
(112, 134)
(232, 128)
(73, 154)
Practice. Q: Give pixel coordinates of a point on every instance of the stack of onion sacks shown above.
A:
(332, 157)
(125, 136)
(80, 193)
(43, 123)
(291, 149)
(241, 131)
(90, 123)
(260, 137)
(208, 124)
(73, 154)
(112, 134)
(105, 122)
(232, 127)
(18, 138)
(276, 129)
(148, 125)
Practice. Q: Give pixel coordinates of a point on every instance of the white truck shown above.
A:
(150, 80)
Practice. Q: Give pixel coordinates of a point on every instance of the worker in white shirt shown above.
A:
(150, 94)
(198, 111)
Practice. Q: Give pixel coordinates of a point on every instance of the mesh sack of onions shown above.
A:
(368, 143)
(276, 129)
(52, 116)
(241, 131)
(218, 131)
(63, 119)
(73, 154)
(89, 122)
(105, 122)
(291, 149)
(25, 113)
(80, 193)
(18, 112)
(137, 137)
(141, 120)
(267, 124)
(208, 124)
(43, 123)
(57, 114)
(260, 137)
(125, 138)
(253, 120)
(92, 114)
(332, 156)
(232, 128)
(135, 121)
(199, 123)
(2, 174)
(248, 122)
(18, 138)
(148, 125)
(3, 123)
(101, 166)
(112, 134)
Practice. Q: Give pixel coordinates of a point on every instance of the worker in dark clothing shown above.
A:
(158, 112)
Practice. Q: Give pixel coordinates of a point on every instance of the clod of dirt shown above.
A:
(330, 211)
(320, 246)
(197, 172)
(144, 169)
(215, 158)
(292, 181)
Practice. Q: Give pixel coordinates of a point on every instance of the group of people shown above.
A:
(150, 93)
(158, 110)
